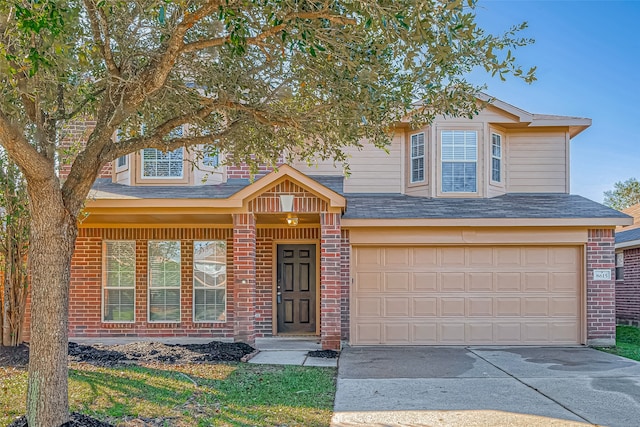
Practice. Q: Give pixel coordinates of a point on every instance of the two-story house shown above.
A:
(464, 233)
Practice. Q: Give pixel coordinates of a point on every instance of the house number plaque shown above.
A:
(602, 274)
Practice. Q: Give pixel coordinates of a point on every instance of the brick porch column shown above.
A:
(244, 277)
(330, 280)
(601, 307)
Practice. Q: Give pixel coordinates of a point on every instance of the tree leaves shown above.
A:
(624, 194)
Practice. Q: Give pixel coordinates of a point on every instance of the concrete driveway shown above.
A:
(485, 386)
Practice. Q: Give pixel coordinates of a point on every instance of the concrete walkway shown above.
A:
(290, 351)
(476, 386)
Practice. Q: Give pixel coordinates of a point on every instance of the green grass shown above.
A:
(190, 395)
(627, 343)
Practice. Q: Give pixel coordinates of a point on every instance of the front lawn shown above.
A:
(627, 343)
(188, 395)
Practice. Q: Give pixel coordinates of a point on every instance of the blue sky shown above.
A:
(588, 59)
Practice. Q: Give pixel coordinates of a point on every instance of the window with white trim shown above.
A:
(619, 265)
(210, 159)
(210, 281)
(118, 281)
(417, 157)
(459, 156)
(164, 281)
(158, 164)
(122, 161)
(496, 157)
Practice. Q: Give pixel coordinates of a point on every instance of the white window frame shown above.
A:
(220, 257)
(463, 160)
(105, 284)
(150, 280)
(416, 138)
(497, 157)
(177, 132)
(120, 167)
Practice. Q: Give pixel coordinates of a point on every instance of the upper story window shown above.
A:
(157, 164)
(459, 161)
(417, 157)
(121, 162)
(496, 157)
(210, 160)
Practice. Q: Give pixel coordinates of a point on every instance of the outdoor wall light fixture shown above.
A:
(292, 221)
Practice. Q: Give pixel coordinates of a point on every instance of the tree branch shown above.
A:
(99, 25)
(258, 39)
(25, 155)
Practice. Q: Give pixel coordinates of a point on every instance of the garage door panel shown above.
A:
(480, 257)
(508, 281)
(425, 307)
(452, 307)
(479, 332)
(396, 307)
(368, 282)
(396, 333)
(451, 333)
(396, 281)
(368, 333)
(508, 256)
(368, 307)
(425, 333)
(535, 307)
(425, 282)
(396, 257)
(452, 282)
(467, 295)
(536, 282)
(451, 257)
(507, 306)
(479, 306)
(564, 281)
(425, 257)
(480, 282)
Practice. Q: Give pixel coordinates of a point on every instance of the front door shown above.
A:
(296, 289)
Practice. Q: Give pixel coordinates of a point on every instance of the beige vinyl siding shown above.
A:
(372, 170)
(123, 175)
(537, 162)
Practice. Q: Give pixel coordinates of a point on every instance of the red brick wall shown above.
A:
(345, 274)
(74, 135)
(330, 280)
(601, 310)
(85, 317)
(244, 268)
(628, 290)
(242, 171)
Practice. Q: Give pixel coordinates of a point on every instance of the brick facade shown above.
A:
(85, 316)
(244, 267)
(601, 294)
(628, 290)
(330, 280)
(74, 135)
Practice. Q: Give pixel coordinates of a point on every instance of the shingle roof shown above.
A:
(628, 235)
(103, 188)
(518, 205)
(388, 206)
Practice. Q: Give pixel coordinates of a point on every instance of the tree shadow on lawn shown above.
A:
(188, 395)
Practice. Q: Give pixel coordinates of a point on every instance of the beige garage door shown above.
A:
(466, 295)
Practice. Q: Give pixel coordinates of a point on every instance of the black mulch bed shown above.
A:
(325, 354)
(76, 420)
(149, 352)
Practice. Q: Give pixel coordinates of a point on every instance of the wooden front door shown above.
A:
(296, 289)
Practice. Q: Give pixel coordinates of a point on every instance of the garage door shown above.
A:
(527, 295)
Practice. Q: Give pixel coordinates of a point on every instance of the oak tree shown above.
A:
(624, 194)
(252, 79)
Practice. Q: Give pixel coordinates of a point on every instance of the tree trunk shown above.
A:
(53, 234)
